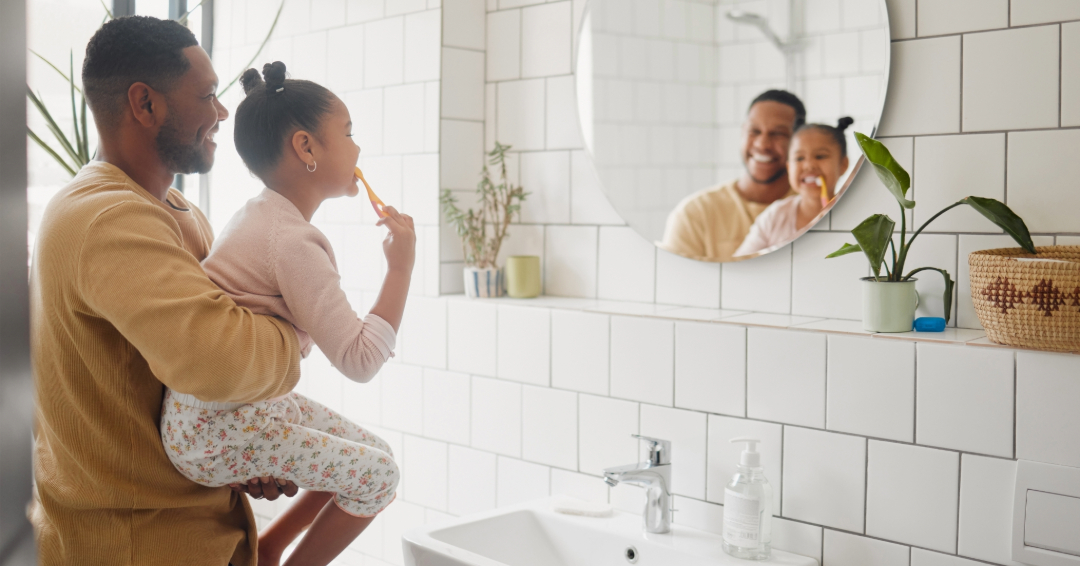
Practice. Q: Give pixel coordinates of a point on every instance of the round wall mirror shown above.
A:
(724, 130)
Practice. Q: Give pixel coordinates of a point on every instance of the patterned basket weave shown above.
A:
(1031, 304)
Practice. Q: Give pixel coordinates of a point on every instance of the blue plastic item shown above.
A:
(929, 324)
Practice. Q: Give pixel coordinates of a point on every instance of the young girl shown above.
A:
(296, 137)
(818, 152)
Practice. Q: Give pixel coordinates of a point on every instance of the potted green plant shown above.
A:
(482, 232)
(889, 300)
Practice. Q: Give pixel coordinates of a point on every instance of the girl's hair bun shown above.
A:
(250, 80)
(274, 75)
(275, 107)
(844, 122)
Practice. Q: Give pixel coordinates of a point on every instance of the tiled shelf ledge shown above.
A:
(965, 336)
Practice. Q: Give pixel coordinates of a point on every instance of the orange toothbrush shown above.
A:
(821, 181)
(376, 202)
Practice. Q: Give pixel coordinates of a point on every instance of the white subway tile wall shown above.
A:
(846, 549)
(965, 399)
(871, 387)
(880, 451)
(824, 479)
(912, 495)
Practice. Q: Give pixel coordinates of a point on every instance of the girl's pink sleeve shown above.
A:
(311, 287)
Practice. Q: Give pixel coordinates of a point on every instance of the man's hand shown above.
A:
(267, 487)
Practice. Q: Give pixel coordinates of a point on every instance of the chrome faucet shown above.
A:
(655, 476)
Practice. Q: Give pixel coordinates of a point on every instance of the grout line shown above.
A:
(959, 485)
(866, 483)
(981, 31)
(1005, 190)
(1015, 387)
(969, 132)
(915, 400)
(961, 125)
(783, 484)
(746, 372)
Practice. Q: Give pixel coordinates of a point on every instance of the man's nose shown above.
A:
(222, 112)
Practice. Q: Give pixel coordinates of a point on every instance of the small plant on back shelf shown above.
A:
(874, 237)
(482, 232)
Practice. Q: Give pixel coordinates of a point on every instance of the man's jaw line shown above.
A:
(782, 172)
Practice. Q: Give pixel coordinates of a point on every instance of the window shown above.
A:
(58, 30)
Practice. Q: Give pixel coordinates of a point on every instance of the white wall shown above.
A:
(882, 451)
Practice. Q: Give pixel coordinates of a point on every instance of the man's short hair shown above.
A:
(784, 97)
(128, 50)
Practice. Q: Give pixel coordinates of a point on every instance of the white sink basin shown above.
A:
(531, 534)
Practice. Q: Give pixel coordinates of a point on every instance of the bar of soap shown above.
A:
(573, 506)
(929, 324)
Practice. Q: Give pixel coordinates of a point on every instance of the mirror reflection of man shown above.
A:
(710, 224)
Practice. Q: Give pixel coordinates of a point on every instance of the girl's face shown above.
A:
(814, 153)
(336, 154)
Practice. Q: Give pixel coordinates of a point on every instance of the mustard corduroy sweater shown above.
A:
(120, 308)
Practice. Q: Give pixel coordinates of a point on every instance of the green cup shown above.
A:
(523, 276)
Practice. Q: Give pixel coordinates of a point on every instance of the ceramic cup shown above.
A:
(483, 282)
(523, 276)
(889, 306)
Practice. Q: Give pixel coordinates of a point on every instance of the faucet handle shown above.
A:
(659, 449)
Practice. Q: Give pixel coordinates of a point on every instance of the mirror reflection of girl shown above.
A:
(818, 153)
(296, 137)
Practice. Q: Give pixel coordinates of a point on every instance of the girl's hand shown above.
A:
(400, 243)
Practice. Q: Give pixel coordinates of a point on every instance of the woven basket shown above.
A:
(1030, 304)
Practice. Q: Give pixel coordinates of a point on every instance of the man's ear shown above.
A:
(146, 104)
(302, 145)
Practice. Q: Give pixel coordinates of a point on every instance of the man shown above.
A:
(120, 307)
(710, 224)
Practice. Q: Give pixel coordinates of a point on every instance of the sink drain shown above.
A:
(631, 554)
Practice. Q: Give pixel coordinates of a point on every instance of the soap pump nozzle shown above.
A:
(750, 456)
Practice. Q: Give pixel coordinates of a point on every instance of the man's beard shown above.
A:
(179, 155)
(776, 176)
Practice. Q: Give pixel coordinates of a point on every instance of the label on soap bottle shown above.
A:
(742, 519)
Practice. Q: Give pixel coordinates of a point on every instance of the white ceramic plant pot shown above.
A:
(889, 306)
(483, 282)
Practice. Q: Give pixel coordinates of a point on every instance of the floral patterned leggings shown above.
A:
(293, 438)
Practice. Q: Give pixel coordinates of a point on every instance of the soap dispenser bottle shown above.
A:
(748, 507)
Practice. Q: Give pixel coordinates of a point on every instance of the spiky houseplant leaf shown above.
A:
(1005, 218)
(946, 299)
(873, 236)
(891, 174)
(845, 250)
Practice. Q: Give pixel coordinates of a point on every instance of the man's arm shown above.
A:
(134, 273)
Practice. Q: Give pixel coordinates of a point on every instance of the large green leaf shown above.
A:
(845, 250)
(873, 236)
(892, 175)
(949, 284)
(1005, 218)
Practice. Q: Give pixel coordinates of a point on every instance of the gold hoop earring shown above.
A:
(311, 168)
